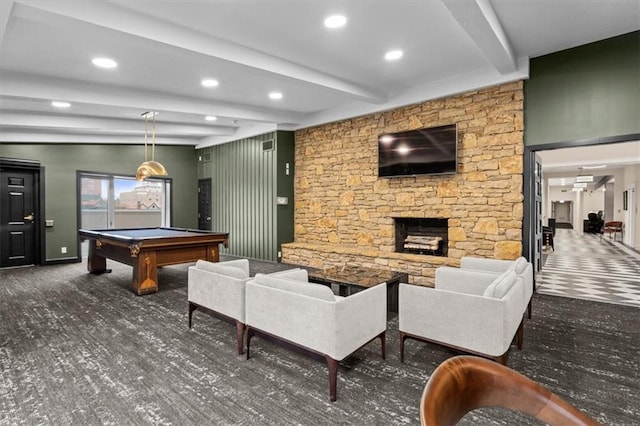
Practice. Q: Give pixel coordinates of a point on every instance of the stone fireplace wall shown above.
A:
(344, 213)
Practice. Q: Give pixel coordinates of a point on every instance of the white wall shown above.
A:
(631, 181)
(592, 201)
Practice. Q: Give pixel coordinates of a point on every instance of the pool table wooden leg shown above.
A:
(145, 273)
(95, 264)
(213, 253)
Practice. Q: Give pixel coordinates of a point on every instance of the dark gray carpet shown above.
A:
(82, 349)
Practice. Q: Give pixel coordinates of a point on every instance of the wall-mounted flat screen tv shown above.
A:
(428, 151)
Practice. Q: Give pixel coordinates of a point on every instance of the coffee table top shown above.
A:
(355, 275)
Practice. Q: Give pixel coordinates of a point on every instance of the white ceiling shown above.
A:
(562, 166)
(252, 47)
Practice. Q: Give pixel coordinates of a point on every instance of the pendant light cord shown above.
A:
(153, 138)
(146, 118)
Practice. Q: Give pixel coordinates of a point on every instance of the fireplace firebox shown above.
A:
(427, 236)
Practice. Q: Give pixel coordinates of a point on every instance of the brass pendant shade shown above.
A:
(150, 168)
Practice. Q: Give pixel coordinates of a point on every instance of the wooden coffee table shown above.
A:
(352, 279)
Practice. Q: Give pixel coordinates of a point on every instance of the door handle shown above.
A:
(28, 217)
(208, 218)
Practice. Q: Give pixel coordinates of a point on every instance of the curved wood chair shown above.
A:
(612, 228)
(464, 383)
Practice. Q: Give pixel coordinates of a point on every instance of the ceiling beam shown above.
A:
(75, 123)
(243, 132)
(20, 135)
(118, 18)
(22, 85)
(479, 20)
(5, 12)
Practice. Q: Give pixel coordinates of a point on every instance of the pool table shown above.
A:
(148, 248)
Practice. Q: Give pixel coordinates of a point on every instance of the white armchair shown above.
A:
(471, 311)
(522, 268)
(312, 318)
(218, 288)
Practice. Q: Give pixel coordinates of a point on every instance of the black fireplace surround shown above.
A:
(428, 236)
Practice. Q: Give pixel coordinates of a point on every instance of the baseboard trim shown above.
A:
(62, 260)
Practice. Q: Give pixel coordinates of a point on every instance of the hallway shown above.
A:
(584, 266)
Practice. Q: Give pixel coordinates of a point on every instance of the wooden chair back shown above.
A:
(464, 383)
(613, 226)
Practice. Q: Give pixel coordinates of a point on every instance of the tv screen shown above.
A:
(427, 151)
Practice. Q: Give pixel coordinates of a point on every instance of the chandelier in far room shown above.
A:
(150, 168)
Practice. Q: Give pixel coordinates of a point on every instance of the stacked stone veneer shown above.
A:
(344, 213)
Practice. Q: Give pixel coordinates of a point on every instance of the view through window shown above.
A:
(109, 202)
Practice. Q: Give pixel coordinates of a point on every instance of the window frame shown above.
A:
(167, 208)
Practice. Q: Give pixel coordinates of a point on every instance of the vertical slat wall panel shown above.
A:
(243, 179)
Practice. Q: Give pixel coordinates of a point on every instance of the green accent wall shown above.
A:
(246, 178)
(62, 161)
(588, 92)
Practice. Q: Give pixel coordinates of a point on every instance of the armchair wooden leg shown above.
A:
(502, 359)
(333, 378)
(383, 340)
(192, 307)
(240, 336)
(402, 338)
(250, 333)
(520, 334)
(529, 307)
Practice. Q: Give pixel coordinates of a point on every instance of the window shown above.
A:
(110, 201)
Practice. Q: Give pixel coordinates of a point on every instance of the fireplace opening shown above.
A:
(427, 236)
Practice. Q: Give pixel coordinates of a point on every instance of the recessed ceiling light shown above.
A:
(393, 55)
(60, 104)
(602, 166)
(104, 62)
(211, 118)
(275, 95)
(210, 83)
(335, 21)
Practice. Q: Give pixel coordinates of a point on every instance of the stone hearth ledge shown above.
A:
(420, 268)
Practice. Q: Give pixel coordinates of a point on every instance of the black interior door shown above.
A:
(204, 204)
(18, 221)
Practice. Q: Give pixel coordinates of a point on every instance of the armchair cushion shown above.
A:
(297, 274)
(317, 291)
(522, 268)
(233, 268)
(463, 280)
(498, 288)
(520, 265)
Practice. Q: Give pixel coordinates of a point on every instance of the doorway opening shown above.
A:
(562, 212)
(578, 182)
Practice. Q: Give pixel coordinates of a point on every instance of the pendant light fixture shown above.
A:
(150, 168)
